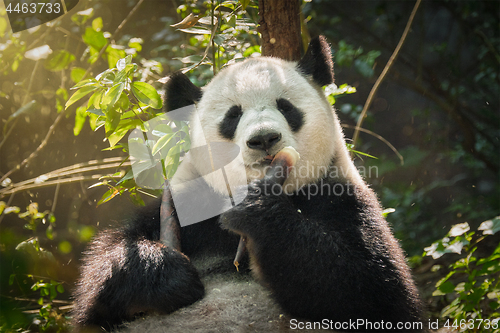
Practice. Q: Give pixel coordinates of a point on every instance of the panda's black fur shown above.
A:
(323, 251)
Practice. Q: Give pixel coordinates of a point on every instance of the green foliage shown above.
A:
(473, 281)
(48, 316)
(347, 55)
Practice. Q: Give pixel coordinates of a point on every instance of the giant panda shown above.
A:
(320, 249)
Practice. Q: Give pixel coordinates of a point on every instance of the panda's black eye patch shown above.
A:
(293, 116)
(228, 126)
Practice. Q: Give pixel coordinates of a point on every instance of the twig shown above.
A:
(381, 138)
(40, 147)
(94, 165)
(56, 194)
(50, 183)
(60, 116)
(384, 73)
(489, 44)
(120, 27)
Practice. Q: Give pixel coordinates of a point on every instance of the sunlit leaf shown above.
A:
(41, 52)
(197, 31)
(244, 4)
(114, 55)
(59, 60)
(459, 229)
(490, 227)
(122, 63)
(80, 117)
(94, 38)
(188, 22)
(95, 100)
(88, 82)
(117, 136)
(162, 142)
(146, 94)
(79, 94)
(97, 24)
(112, 121)
(77, 74)
(112, 96)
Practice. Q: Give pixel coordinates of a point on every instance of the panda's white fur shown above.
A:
(320, 254)
(255, 85)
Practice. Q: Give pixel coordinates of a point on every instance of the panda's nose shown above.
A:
(264, 141)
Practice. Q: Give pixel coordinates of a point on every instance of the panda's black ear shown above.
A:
(180, 92)
(317, 62)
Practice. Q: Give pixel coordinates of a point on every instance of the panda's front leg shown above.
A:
(275, 233)
(276, 239)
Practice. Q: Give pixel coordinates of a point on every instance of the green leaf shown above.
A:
(94, 38)
(387, 211)
(123, 102)
(97, 24)
(123, 62)
(79, 94)
(59, 60)
(459, 229)
(86, 83)
(110, 194)
(80, 117)
(350, 147)
(172, 161)
(12, 277)
(196, 30)
(136, 43)
(112, 96)
(192, 59)
(162, 142)
(82, 16)
(124, 73)
(41, 52)
(490, 227)
(77, 74)
(161, 130)
(95, 100)
(146, 94)
(244, 4)
(117, 136)
(114, 55)
(112, 121)
(445, 288)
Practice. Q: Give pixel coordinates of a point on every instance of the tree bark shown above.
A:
(279, 26)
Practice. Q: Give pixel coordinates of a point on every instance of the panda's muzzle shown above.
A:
(264, 141)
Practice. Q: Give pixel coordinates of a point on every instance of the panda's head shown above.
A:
(264, 104)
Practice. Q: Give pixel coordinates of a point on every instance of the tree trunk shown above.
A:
(279, 26)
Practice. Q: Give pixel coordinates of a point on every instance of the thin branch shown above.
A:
(381, 138)
(91, 166)
(384, 73)
(50, 183)
(60, 116)
(489, 44)
(38, 149)
(56, 194)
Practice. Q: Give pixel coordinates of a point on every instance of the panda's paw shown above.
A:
(264, 200)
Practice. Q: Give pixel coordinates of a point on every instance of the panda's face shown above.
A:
(264, 105)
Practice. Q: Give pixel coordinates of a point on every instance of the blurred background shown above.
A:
(433, 131)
